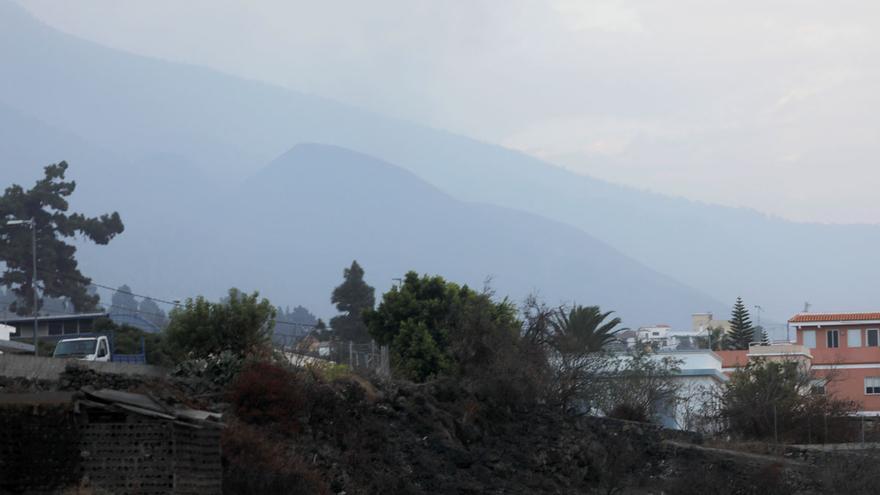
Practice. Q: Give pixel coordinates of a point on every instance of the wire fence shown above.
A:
(366, 358)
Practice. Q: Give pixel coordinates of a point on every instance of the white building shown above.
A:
(6, 331)
(664, 338)
(700, 379)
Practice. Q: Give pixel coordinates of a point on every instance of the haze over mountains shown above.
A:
(182, 153)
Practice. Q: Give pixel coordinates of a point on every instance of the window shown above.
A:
(102, 349)
(853, 338)
(56, 328)
(69, 327)
(85, 326)
(817, 387)
(833, 337)
(872, 385)
(810, 339)
(872, 337)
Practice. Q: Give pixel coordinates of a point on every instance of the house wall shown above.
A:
(25, 329)
(731, 360)
(822, 354)
(849, 366)
(849, 384)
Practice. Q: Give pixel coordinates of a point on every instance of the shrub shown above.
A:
(267, 394)
(219, 369)
(769, 399)
(241, 324)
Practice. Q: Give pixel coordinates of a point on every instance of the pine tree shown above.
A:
(58, 272)
(741, 331)
(762, 334)
(352, 298)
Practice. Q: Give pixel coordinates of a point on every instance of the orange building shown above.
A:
(846, 346)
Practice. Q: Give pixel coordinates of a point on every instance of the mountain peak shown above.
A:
(347, 169)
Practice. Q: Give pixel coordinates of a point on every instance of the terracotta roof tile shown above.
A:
(819, 317)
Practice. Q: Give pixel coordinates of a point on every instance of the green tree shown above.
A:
(352, 298)
(57, 269)
(241, 324)
(741, 332)
(416, 354)
(435, 327)
(585, 329)
(575, 339)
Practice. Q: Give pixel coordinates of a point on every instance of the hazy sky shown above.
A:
(768, 104)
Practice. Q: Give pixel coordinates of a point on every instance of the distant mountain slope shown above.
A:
(227, 127)
(355, 206)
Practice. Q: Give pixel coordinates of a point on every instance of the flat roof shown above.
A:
(21, 319)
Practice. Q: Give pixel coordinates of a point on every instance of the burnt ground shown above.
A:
(355, 437)
(421, 439)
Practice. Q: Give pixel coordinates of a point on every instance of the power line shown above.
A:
(173, 303)
(157, 299)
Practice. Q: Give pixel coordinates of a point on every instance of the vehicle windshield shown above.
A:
(75, 348)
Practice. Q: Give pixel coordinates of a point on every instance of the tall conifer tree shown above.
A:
(741, 331)
(352, 298)
(58, 275)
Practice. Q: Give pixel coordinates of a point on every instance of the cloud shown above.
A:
(603, 15)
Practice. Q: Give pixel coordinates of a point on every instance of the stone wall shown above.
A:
(46, 368)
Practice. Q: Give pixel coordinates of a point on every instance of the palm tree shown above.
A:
(584, 328)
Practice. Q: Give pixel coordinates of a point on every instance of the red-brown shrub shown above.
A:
(266, 394)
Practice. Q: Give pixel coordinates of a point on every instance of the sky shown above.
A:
(766, 104)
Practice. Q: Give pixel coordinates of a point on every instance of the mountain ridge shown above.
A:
(229, 128)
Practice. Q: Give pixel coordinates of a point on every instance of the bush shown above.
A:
(637, 385)
(220, 369)
(241, 324)
(265, 394)
(770, 399)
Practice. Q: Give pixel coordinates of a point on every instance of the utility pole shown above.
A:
(34, 281)
(33, 225)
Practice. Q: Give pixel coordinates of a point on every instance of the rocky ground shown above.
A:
(356, 437)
